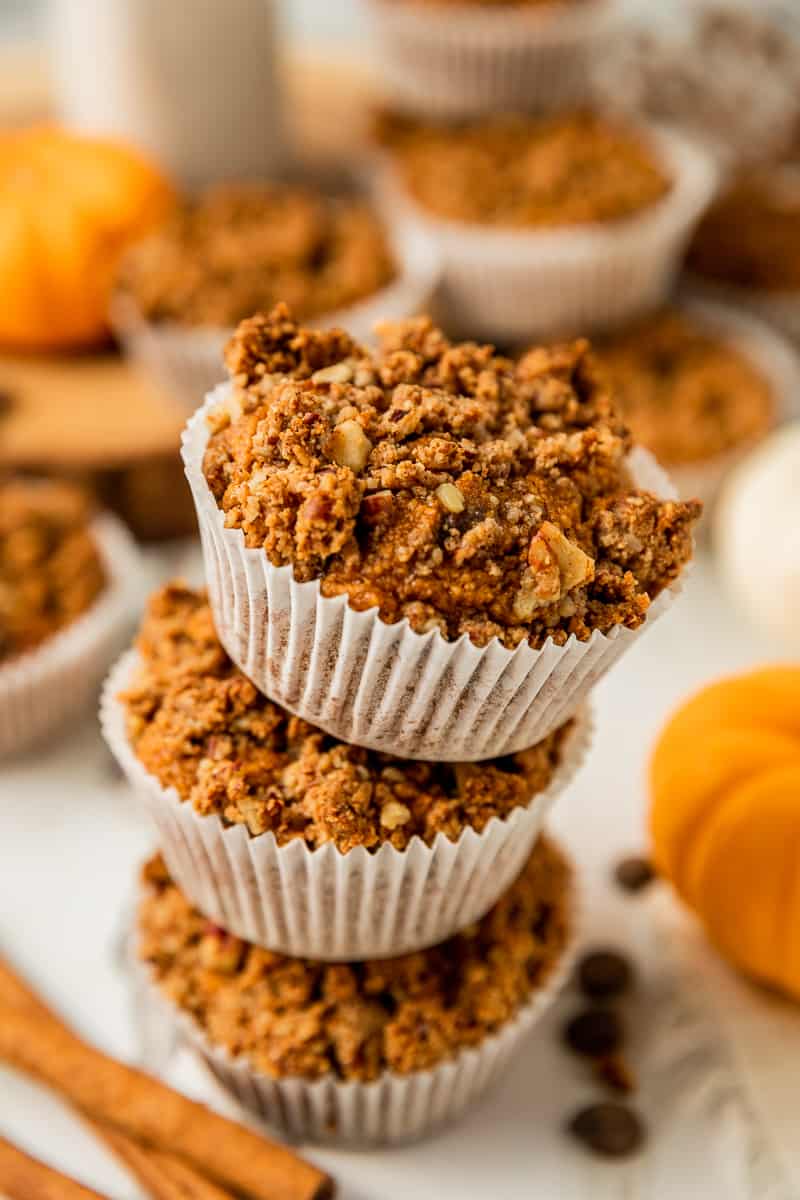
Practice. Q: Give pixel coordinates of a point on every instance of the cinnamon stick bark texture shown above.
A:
(25, 1178)
(162, 1176)
(141, 1107)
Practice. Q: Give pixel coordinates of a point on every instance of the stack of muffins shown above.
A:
(420, 560)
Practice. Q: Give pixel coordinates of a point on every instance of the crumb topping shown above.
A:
(241, 248)
(525, 172)
(200, 726)
(293, 1017)
(441, 482)
(751, 236)
(686, 393)
(50, 568)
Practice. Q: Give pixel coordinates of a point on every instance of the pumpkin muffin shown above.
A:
(442, 483)
(240, 248)
(525, 173)
(51, 571)
(750, 238)
(199, 725)
(686, 392)
(291, 1018)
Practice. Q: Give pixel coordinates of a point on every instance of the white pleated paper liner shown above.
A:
(772, 357)
(320, 903)
(780, 310)
(462, 60)
(42, 690)
(393, 1109)
(511, 285)
(187, 361)
(385, 686)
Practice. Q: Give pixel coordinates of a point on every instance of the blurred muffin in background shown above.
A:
(545, 223)
(698, 386)
(238, 249)
(747, 247)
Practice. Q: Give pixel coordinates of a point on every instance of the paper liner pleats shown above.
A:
(464, 60)
(320, 903)
(42, 690)
(385, 686)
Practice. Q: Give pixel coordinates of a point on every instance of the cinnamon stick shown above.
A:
(142, 1108)
(161, 1175)
(25, 1178)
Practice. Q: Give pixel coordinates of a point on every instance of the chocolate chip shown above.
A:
(608, 1129)
(594, 1033)
(634, 873)
(604, 974)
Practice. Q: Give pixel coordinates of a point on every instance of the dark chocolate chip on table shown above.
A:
(608, 1129)
(594, 1033)
(634, 873)
(604, 974)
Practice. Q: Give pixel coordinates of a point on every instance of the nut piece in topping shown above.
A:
(340, 372)
(551, 548)
(394, 814)
(350, 446)
(450, 497)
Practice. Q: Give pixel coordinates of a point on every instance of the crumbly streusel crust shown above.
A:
(199, 725)
(687, 394)
(50, 567)
(751, 236)
(525, 172)
(442, 483)
(240, 249)
(294, 1017)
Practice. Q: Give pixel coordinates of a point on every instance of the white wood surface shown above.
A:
(719, 1063)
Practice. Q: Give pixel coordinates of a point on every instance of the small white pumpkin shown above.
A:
(757, 536)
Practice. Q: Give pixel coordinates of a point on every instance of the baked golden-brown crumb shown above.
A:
(442, 483)
(525, 172)
(50, 567)
(241, 248)
(200, 726)
(688, 394)
(293, 1017)
(751, 236)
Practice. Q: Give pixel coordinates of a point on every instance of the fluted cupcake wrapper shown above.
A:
(188, 360)
(459, 61)
(773, 358)
(42, 690)
(779, 310)
(391, 1110)
(514, 285)
(320, 903)
(385, 686)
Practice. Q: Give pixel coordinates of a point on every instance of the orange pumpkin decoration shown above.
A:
(725, 818)
(69, 206)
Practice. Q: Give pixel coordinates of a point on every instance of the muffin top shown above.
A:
(687, 393)
(525, 172)
(240, 248)
(50, 567)
(442, 483)
(294, 1017)
(751, 236)
(200, 726)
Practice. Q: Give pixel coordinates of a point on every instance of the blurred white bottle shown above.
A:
(194, 83)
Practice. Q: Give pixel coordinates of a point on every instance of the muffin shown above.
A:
(429, 550)
(547, 224)
(747, 247)
(295, 840)
(460, 58)
(365, 1052)
(698, 387)
(239, 249)
(62, 608)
